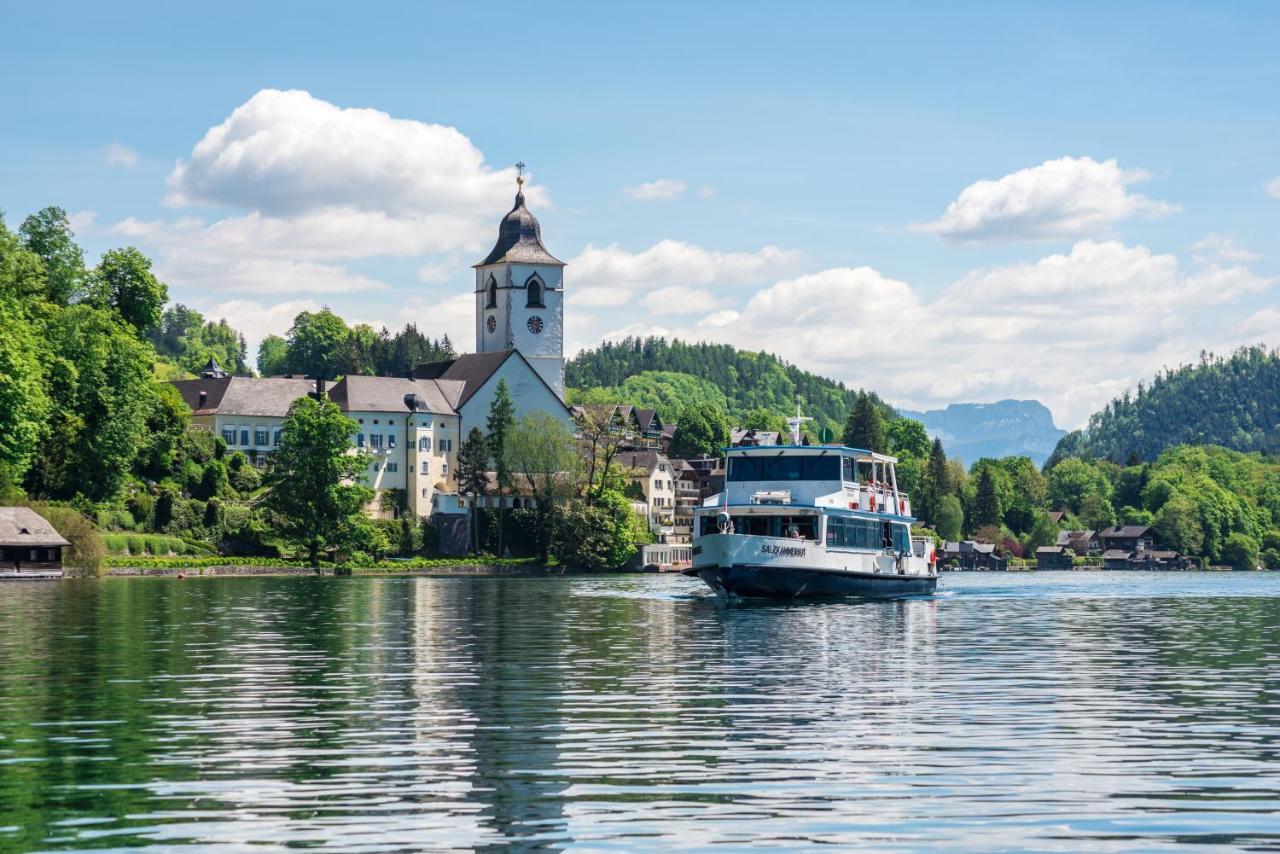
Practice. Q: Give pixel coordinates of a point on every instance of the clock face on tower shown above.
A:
(535, 324)
(491, 323)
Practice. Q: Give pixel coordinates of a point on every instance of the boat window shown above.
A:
(847, 466)
(847, 532)
(749, 468)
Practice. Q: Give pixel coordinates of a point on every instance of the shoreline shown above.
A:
(231, 569)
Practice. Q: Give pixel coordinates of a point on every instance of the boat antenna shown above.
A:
(793, 424)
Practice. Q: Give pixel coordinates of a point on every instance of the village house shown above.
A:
(29, 545)
(1081, 542)
(652, 475)
(971, 556)
(1126, 538)
(688, 497)
(1054, 557)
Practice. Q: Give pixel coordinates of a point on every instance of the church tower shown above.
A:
(519, 295)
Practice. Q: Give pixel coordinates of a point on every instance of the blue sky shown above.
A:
(813, 172)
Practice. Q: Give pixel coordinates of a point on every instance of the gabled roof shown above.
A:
(213, 387)
(22, 526)
(473, 370)
(646, 460)
(1049, 550)
(357, 393)
(519, 239)
(269, 397)
(1124, 532)
(1116, 554)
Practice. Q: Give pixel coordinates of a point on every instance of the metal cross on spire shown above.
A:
(520, 172)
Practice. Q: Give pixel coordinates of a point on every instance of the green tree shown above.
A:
(1241, 551)
(950, 521)
(701, 429)
(765, 420)
(317, 345)
(1043, 532)
(596, 537)
(541, 451)
(986, 506)
(312, 493)
(669, 392)
(1177, 526)
(48, 235)
(124, 283)
(472, 471)
(908, 438)
(501, 421)
(99, 381)
(273, 356)
(1072, 481)
(24, 403)
(1097, 512)
(934, 483)
(865, 426)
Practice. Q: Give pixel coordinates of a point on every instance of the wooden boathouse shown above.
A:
(30, 548)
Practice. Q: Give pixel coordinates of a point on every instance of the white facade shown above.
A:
(529, 393)
(413, 452)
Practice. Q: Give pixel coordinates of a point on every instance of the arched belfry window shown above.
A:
(534, 286)
(491, 301)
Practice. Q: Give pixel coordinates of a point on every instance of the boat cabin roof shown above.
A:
(859, 454)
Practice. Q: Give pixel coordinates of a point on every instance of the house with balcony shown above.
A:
(653, 482)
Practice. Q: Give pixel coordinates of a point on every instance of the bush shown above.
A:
(1241, 551)
(135, 545)
(87, 551)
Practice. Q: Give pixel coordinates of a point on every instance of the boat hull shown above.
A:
(778, 582)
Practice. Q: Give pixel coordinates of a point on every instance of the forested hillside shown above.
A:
(747, 380)
(1233, 402)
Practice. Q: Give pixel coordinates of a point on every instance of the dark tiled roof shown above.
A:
(520, 239)
(1127, 531)
(22, 526)
(356, 393)
(214, 389)
(1116, 554)
(1049, 550)
(471, 369)
(647, 460)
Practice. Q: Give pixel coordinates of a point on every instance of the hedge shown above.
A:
(156, 545)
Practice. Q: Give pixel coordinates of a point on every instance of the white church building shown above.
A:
(411, 427)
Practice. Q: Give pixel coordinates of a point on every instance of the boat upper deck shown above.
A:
(818, 476)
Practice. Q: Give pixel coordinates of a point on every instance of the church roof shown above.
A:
(471, 369)
(520, 239)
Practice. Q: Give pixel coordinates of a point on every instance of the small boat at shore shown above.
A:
(810, 521)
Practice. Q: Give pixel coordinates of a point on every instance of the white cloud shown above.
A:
(663, 188)
(612, 276)
(1071, 329)
(1273, 186)
(1064, 198)
(454, 316)
(257, 320)
(319, 185)
(288, 152)
(116, 154)
(678, 299)
(82, 221)
(1217, 247)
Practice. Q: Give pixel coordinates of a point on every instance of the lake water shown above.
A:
(1048, 712)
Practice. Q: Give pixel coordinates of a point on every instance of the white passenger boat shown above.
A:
(821, 520)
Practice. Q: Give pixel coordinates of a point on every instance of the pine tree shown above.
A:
(865, 426)
(986, 504)
(502, 417)
(472, 471)
(935, 483)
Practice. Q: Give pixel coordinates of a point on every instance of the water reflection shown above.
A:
(1052, 711)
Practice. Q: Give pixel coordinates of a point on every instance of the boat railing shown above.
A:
(879, 497)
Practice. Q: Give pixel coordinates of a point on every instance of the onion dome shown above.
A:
(520, 238)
